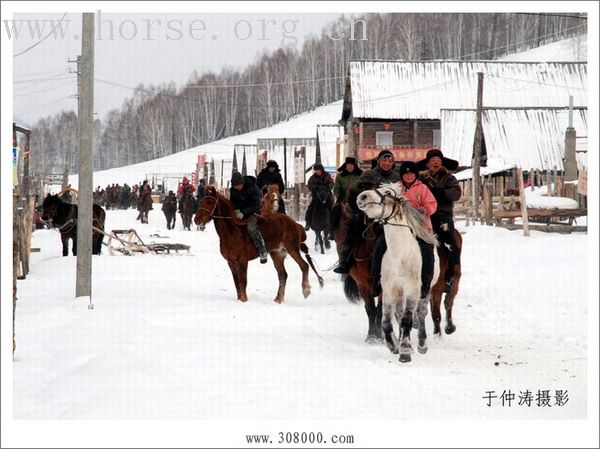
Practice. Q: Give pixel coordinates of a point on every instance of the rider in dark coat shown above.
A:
(320, 177)
(348, 175)
(382, 173)
(271, 175)
(245, 195)
(436, 175)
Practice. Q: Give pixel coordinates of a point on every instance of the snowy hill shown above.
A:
(567, 50)
(303, 125)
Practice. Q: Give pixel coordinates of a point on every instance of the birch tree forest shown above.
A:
(157, 121)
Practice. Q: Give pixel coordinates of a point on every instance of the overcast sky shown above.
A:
(151, 48)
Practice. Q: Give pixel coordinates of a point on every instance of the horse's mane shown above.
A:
(415, 219)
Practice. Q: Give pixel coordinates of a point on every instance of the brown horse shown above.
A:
(270, 201)
(281, 234)
(358, 284)
(438, 290)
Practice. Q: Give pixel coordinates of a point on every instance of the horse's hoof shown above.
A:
(306, 293)
(449, 329)
(405, 357)
(422, 348)
(278, 301)
(371, 339)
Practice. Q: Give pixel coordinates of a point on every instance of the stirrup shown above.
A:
(342, 268)
(263, 258)
(307, 227)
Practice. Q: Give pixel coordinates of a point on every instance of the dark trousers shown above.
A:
(426, 268)
(335, 217)
(443, 226)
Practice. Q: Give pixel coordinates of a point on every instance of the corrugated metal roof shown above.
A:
(528, 138)
(419, 90)
(327, 136)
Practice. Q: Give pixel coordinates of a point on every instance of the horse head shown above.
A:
(382, 203)
(207, 207)
(50, 207)
(322, 193)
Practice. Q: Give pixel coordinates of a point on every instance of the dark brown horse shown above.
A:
(169, 208)
(63, 216)
(281, 234)
(438, 290)
(358, 284)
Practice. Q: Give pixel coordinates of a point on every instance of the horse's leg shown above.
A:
(374, 333)
(293, 251)
(388, 328)
(421, 314)
(449, 302)
(243, 273)
(320, 234)
(282, 275)
(405, 328)
(74, 239)
(236, 278)
(65, 245)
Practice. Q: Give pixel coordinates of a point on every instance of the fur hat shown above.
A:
(318, 167)
(237, 179)
(272, 163)
(349, 160)
(450, 164)
(409, 167)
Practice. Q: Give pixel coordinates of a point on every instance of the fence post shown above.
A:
(524, 215)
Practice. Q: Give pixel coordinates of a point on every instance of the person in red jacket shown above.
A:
(185, 187)
(420, 197)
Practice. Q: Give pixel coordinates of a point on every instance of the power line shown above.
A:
(523, 41)
(41, 40)
(545, 14)
(43, 90)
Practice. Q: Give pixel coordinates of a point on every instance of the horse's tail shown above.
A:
(351, 290)
(304, 249)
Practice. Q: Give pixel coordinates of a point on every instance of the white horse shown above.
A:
(401, 265)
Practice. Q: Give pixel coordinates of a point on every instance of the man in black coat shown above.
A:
(436, 174)
(382, 173)
(271, 175)
(245, 195)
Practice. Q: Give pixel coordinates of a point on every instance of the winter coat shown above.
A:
(372, 179)
(266, 178)
(314, 181)
(246, 200)
(344, 181)
(445, 188)
(420, 197)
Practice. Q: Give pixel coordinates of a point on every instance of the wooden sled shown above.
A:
(128, 242)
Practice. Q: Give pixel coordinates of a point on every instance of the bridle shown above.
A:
(211, 212)
(389, 193)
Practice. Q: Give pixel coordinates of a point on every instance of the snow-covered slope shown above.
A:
(303, 125)
(572, 49)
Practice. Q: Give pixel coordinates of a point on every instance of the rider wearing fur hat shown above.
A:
(319, 177)
(271, 175)
(436, 174)
(382, 173)
(348, 175)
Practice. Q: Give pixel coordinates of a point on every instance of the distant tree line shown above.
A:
(157, 121)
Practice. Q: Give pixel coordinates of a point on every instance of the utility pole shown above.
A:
(570, 147)
(477, 146)
(68, 158)
(86, 136)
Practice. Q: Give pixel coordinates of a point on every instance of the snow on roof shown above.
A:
(419, 90)
(529, 138)
(327, 137)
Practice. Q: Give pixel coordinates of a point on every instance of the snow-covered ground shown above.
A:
(168, 339)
